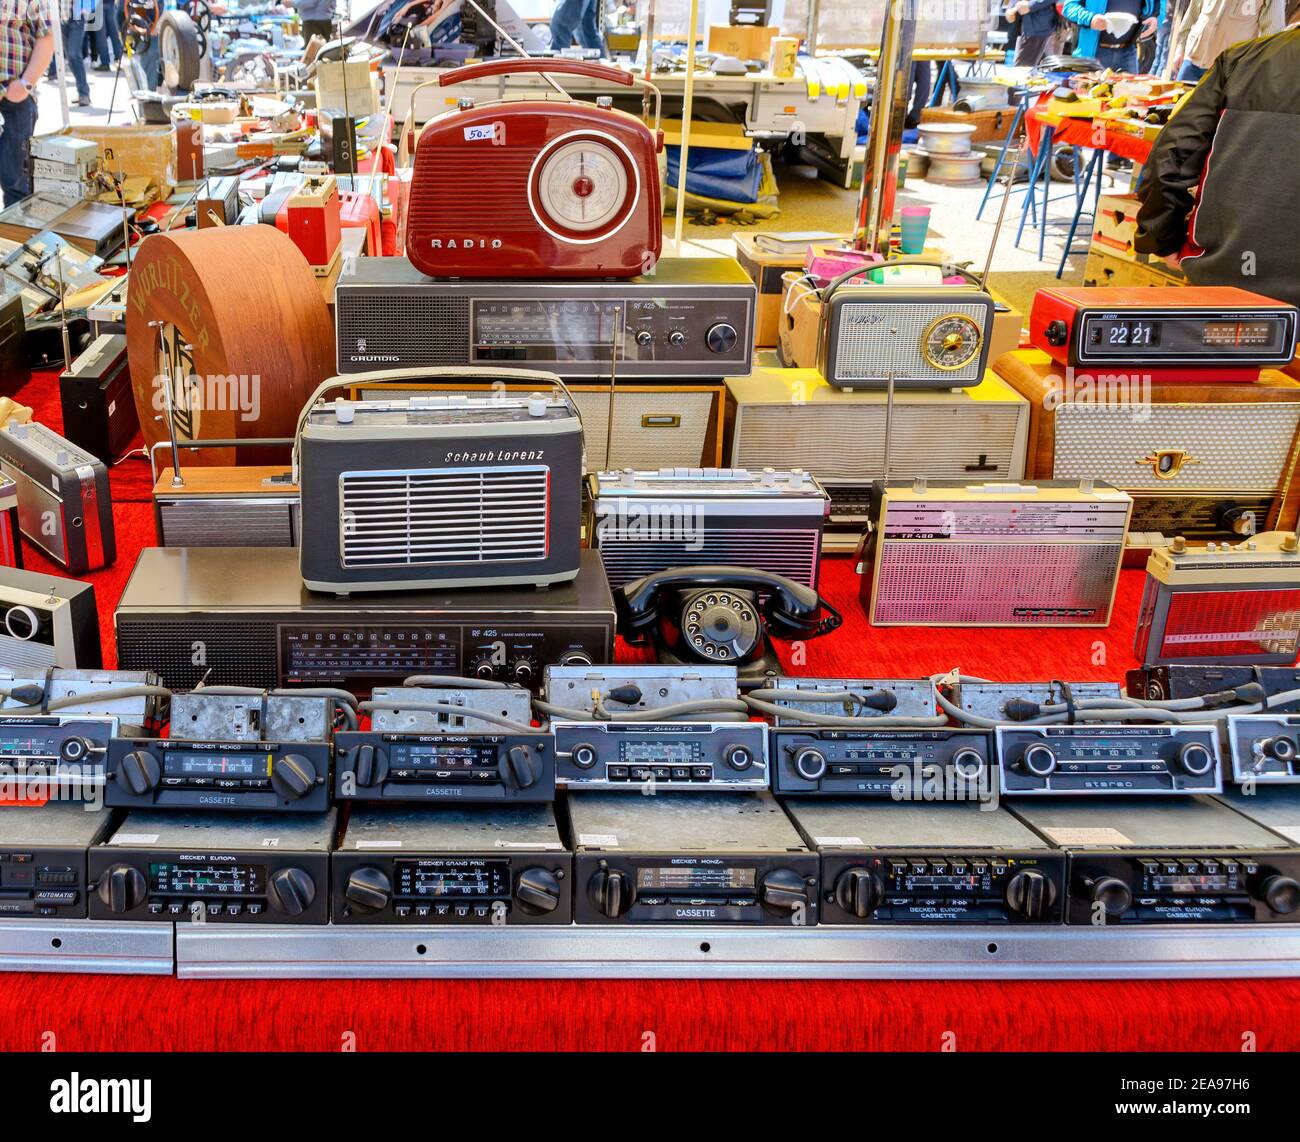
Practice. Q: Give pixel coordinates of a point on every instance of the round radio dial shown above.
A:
(519, 769)
(857, 892)
(139, 772)
(1030, 894)
(1038, 761)
(122, 887)
(291, 891)
(952, 342)
(644, 337)
(810, 764)
(610, 892)
(676, 338)
(1196, 759)
(368, 889)
(721, 338)
(1282, 894)
(538, 891)
(1114, 896)
(74, 749)
(522, 670)
(968, 764)
(484, 668)
(582, 185)
(1279, 749)
(1056, 332)
(584, 756)
(738, 756)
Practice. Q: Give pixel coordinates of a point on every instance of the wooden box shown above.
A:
(991, 125)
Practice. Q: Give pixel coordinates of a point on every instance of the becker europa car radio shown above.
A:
(1166, 334)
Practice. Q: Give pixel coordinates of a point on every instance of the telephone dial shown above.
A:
(720, 615)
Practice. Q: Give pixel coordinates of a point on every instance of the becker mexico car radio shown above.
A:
(1166, 334)
(1108, 759)
(953, 764)
(698, 756)
(484, 865)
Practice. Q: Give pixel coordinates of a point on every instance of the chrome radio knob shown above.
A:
(1281, 894)
(1038, 760)
(74, 749)
(538, 891)
(738, 756)
(122, 887)
(292, 776)
(368, 889)
(810, 764)
(676, 338)
(1196, 759)
(610, 892)
(857, 892)
(584, 755)
(1114, 896)
(1030, 894)
(291, 891)
(644, 337)
(1279, 749)
(721, 338)
(139, 772)
(968, 764)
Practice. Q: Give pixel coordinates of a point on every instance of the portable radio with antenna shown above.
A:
(536, 187)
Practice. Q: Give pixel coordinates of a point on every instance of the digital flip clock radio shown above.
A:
(792, 418)
(498, 865)
(267, 630)
(960, 553)
(1237, 603)
(903, 764)
(414, 754)
(691, 319)
(637, 757)
(1180, 680)
(1217, 333)
(681, 859)
(440, 490)
(43, 858)
(1264, 748)
(229, 752)
(255, 868)
(1207, 461)
(935, 338)
(1191, 861)
(930, 864)
(536, 188)
(1097, 759)
(644, 522)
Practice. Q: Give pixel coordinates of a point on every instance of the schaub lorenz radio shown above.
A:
(535, 188)
(440, 491)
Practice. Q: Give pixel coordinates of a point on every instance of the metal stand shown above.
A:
(1093, 169)
(645, 952)
(96, 946)
(1010, 139)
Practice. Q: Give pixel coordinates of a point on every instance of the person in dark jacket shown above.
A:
(1233, 143)
(1038, 24)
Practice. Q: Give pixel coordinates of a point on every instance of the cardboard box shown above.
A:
(362, 88)
(798, 323)
(992, 125)
(743, 41)
(766, 269)
(148, 150)
(1105, 269)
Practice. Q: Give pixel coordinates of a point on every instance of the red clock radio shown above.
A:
(1190, 333)
(534, 187)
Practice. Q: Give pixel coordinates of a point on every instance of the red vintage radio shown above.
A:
(536, 188)
(1192, 333)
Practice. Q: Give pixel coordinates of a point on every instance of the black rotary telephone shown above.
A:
(720, 615)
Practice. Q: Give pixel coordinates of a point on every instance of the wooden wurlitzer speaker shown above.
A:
(245, 336)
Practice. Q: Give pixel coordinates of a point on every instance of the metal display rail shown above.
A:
(88, 946)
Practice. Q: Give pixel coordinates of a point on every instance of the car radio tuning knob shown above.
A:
(538, 890)
(1282, 894)
(968, 764)
(1279, 749)
(291, 891)
(122, 887)
(369, 765)
(1056, 332)
(519, 768)
(75, 748)
(368, 889)
(721, 338)
(584, 756)
(810, 764)
(857, 891)
(610, 892)
(1030, 894)
(139, 772)
(1114, 896)
(785, 889)
(1038, 761)
(293, 776)
(1196, 759)
(738, 756)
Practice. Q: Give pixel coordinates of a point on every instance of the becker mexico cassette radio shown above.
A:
(487, 865)
(417, 749)
(1166, 334)
(535, 188)
(681, 859)
(691, 318)
(1116, 759)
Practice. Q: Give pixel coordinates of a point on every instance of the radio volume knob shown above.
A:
(291, 891)
(1279, 749)
(968, 764)
(139, 772)
(75, 748)
(738, 756)
(519, 769)
(784, 888)
(810, 764)
(537, 890)
(122, 887)
(721, 338)
(610, 892)
(1031, 894)
(369, 765)
(1114, 896)
(857, 891)
(584, 756)
(368, 889)
(644, 337)
(1196, 759)
(1038, 761)
(1056, 332)
(293, 776)
(677, 339)
(1282, 894)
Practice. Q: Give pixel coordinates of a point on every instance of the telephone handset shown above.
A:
(721, 615)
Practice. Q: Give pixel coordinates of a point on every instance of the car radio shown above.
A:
(1175, 680)
(485, 865)
(696, 756)
(930, 864)
(674, 858)
(1168, 862)
(413, 752)
(1264, 748)
(889, 699)
(43, 858)
(937, 764)
(256, 868)
(1121, 759)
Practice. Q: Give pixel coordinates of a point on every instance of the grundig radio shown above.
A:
(536, 188)
(1204, 460)
(441, 490)
(1219, 333)
(951, 553)
(689, 319)
(1223, 603)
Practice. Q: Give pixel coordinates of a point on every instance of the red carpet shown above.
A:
(145, 1013)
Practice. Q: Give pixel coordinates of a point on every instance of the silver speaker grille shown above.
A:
(444, 516)
(1043, 584)
(228, 523)
(789, 553)
(20, 654)
(876, 339)
(847, 441)
(424, 329)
